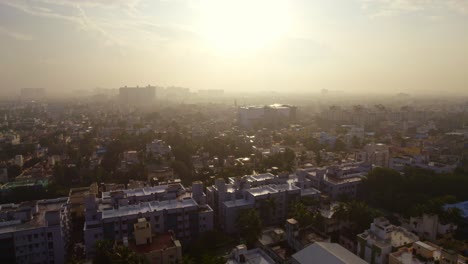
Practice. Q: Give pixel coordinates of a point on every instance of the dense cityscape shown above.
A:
(167, 175)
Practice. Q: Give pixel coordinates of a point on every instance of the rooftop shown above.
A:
(148, 207)
(330, 253)
(253, 256)
(38, 218)
(160, 242)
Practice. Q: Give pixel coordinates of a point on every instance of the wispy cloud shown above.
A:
(15, 35)
(395, 7)
(119, 30)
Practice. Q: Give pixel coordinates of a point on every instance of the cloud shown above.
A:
(117, 22)
(395, 7)
(15, 35)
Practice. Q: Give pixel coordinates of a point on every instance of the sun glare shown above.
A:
(240, 26)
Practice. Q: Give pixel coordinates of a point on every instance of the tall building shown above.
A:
(34, 232)
(137, 95)
(275, 115)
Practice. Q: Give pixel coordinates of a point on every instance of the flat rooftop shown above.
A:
(160, 242)
(145, 190)
(253, 256)
(148, 207)
(272, 188)
(37, 220)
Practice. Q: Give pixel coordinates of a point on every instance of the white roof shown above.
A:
(330, 253)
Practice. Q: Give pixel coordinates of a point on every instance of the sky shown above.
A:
(416, 46)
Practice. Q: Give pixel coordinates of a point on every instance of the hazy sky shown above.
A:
(306, 45)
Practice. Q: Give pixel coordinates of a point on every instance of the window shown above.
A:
(51, 245)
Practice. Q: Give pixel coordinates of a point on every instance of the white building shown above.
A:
(383, 238)
(428, 226)
(256, 191)
(336, 181)
(166, 208)
(34, 232)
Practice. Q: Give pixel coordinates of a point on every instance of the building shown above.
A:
(19, 161)
(270, 194)
(211, 92)
(158, 148)
(165, 207)
(323, 252)
(425, 253)
(298, 238)
(34, 232)
(428, 226)
(159, 249)
(240, 254)
(376, 243)
(3, 175)
(336, 181)
(375, 154)
(137, 95)
(275, 115)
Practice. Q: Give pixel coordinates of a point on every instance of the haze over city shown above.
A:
(234, 131)
(276, 45)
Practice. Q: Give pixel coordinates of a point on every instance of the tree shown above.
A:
(107, 253)
(250, 225)
(357, 214)
(339, 145)
(299, 212)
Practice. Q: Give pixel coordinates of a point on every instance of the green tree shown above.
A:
(250, 225)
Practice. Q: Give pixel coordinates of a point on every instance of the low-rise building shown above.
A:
(240, 254)
(425, 253)
(383, 238)
(159, 249)
(323, 252)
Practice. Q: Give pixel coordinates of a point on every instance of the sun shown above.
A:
(242, 26)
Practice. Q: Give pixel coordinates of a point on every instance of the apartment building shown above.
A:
(271, 195)
(336, 181)
(34, 232)
(166, 208)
